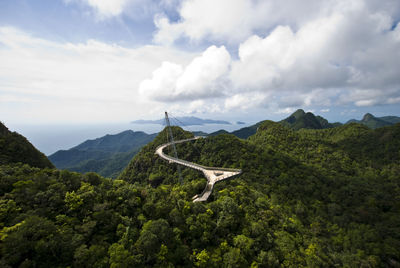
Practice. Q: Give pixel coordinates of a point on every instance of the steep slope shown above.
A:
(246, 132)
(373, 122)
(376, 122)
(107, 155)
(16, 148)
(146, 162)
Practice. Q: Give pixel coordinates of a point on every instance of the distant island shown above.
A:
(184, 120)
(240, 123)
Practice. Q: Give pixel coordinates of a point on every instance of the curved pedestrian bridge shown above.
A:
(213, 174)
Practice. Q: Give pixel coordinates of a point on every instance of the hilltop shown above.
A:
(301, 119)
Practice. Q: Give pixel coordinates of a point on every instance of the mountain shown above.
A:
(391, 119)
(307, 198)
(326, 184)
(246, 132)
(296, 121)
(185, 121)
(107, 155)
(218, 132)
(16, 148)
(301, 119)
(376, 122)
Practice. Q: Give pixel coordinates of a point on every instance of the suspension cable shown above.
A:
(190, 130)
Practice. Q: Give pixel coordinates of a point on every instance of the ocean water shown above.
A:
(51, 138)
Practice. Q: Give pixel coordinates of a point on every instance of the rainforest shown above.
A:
(306, 198)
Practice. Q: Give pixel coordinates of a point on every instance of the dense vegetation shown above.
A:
(297, 120)
(314, 198)
(301, 119)
(16, 148)
(108, 155)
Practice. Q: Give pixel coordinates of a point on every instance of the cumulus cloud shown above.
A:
(223, 19)
(204, 77)
(338, 48)
(343, 53)
(235, 20)
(246, 101)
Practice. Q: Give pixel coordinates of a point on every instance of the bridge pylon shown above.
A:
(173, 146)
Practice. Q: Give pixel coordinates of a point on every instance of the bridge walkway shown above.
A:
(213, 174)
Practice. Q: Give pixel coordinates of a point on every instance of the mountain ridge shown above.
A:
(107, 155)
(297, 120)
(306, 198)
(373, 122)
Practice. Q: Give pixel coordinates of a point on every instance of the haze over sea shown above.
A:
(51, 138)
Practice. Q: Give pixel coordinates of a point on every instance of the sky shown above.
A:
(102, 61)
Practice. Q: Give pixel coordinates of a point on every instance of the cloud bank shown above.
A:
(205, 56)
(340, 53)
(51, 81)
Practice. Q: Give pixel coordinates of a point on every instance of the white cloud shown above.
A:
(203, 77)
(285, 111)
(370, 97)
(290, 53)
(341, 52)
(245, 101)
(223, 19)
(75, 76)
(235, 20)
(351, 49)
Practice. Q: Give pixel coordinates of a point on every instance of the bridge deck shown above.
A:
(213, 174)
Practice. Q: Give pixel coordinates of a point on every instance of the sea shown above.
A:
(53, 137)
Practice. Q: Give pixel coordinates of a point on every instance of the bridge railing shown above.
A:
(191, 163)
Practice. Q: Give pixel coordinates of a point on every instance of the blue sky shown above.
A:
(100, 61)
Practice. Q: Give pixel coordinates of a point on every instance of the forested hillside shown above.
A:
(298, 120)
(301, 119)
(308, 198)
(16, 148)
(107, 155)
